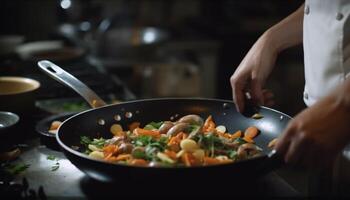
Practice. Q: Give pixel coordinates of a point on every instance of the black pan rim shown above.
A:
(81, 155)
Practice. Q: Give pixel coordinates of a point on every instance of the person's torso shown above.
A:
(326, 42)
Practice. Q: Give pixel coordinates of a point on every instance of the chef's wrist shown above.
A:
(270, 39)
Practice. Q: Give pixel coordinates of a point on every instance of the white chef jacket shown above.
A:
(326, 40)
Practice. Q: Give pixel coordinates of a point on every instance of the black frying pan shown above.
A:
(96, 122)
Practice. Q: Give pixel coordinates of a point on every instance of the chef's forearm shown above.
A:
(288, 32)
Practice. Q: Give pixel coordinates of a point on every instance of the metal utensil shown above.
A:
(67, 79)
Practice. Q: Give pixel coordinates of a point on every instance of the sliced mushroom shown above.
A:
(115, 140)
(164, 128)
(233, 145)
(125, 148)
(192, 119)
(177, 128)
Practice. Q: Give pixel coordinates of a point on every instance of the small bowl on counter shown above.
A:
(47, 128)
(18, 94)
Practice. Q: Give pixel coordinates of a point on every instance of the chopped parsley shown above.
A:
(153, 125)
(55, 167)
(99, 143)
(51, 157)
(15, 169)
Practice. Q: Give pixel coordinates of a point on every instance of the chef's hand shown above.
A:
(253, 71)
(251, 74)
(316, 135)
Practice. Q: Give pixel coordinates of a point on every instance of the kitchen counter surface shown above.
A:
(68, 181)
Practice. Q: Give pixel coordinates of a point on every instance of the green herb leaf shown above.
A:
(151, 152)
(143, 140)
(163, 140)
(193, 128)
(156, 125)
(99, 143)
(149, 127)
(139, 154)
(51, 157)
(232, 154)
(87, 151)
(55, 167)
(240, 141)
(157, 145)
(15, 169)
(84, 140)
(153, 125)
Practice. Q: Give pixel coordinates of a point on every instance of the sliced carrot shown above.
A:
(174, 147)
(251, 132)
(109, 150)
(209, 125)
(180, 135)
(225, 135)
(211, 161)
(226, 161)
(177, 138)
(134, 125)
(55, 125)
(107, 156)
(173, 140)
(111, 158)
(248, 139)
(272, 143)
(139, 162)
(123, 157)
(186, 159)
(189, 160)
(140, 131)
(171, 154)
(237, 134)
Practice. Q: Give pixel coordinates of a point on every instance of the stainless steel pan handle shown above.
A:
(69, 80)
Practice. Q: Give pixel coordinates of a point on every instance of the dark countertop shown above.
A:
(68, 181)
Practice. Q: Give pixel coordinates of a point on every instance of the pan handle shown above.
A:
(69, 80)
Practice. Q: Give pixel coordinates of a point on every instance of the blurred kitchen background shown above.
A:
(132, 49)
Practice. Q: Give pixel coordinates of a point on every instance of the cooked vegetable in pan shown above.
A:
(190, 141)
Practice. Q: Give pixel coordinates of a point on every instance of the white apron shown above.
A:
(326, 42)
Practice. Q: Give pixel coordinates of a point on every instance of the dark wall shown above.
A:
(236, 24)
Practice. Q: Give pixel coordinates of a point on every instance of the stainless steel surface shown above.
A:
(68, 182)
(63, 182)
(69, 80)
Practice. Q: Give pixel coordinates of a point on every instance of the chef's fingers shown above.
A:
(268, 97)
(268, 94)
(238, 93)
(284, 140)
(297, 148)
(256, 92)
(269, 103)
